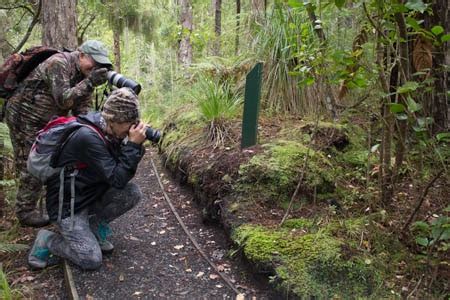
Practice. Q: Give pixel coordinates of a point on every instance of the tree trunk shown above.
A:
(5, 49)
(59, 23)
(185, 48)
(2, 172)
(258, 10)
(401, 77)
(217, 5)
(238, 23)
(116, 50)
(438, 71)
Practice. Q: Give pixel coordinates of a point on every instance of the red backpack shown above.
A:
(19, 65)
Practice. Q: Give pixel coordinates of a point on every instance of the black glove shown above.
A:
(98, 76)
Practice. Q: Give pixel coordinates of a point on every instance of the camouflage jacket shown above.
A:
(55, 87)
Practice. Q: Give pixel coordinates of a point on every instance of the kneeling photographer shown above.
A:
(97, 189)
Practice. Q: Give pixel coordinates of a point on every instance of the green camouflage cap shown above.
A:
(121, 106)
(97, 51)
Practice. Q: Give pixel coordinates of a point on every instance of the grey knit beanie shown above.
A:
(121, 106)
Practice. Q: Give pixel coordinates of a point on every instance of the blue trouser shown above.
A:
(80, 245)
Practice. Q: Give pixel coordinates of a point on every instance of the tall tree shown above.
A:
(59, 23)
(217, 8)
(120, 15)
(238, 21)
(185, 46)
(439, 70)
(259, 10)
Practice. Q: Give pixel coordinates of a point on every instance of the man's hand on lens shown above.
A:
(98, 76)
(137, 133)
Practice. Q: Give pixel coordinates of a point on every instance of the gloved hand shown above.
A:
(98, 76)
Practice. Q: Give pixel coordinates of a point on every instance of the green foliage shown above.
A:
(277, 43)
(216, 100)
(435, 235)
(5, 290)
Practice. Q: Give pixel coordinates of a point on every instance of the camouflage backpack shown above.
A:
(19, 65)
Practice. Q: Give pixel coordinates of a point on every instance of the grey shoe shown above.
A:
(101, 231)
(39, 253)
(33, 218)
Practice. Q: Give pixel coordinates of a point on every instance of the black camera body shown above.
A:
(120, 81)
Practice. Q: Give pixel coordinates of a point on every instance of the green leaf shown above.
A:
(443, 137)
(374, 148)
(437, 30)
(447, 209)
(397, 107)
(445, 38)
(401, 117)
(419, 129)
(413, 23)
(409, 86)
(413, 106)
(309, 80)
(420, 226)
(422, 241)
(416, 5)
(295, 3)
(339, 3)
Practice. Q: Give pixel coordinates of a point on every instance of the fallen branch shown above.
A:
(421, 199)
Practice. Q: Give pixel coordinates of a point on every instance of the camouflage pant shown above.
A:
(80, 245)
(30, 189)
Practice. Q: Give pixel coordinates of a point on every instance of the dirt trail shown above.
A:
(153, 257)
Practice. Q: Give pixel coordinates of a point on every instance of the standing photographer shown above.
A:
(62, 84)
(101, 187)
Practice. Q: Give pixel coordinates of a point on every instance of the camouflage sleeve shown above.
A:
(58, 79)
(82, 107)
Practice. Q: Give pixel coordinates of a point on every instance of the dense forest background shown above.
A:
(376, 71)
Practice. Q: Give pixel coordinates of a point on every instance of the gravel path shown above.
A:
(153, 257)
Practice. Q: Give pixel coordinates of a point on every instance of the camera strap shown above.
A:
(99, 102)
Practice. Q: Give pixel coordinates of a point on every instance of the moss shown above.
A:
(276, 170)
(193, 179)
(313, 264)
(300, 223)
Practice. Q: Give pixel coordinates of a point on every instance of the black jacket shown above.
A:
(109, 164)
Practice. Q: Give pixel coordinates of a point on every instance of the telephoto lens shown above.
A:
(120, 81)
(153, 135)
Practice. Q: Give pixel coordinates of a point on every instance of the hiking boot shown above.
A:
(101, 231)
(33, 218)
(39, 255)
